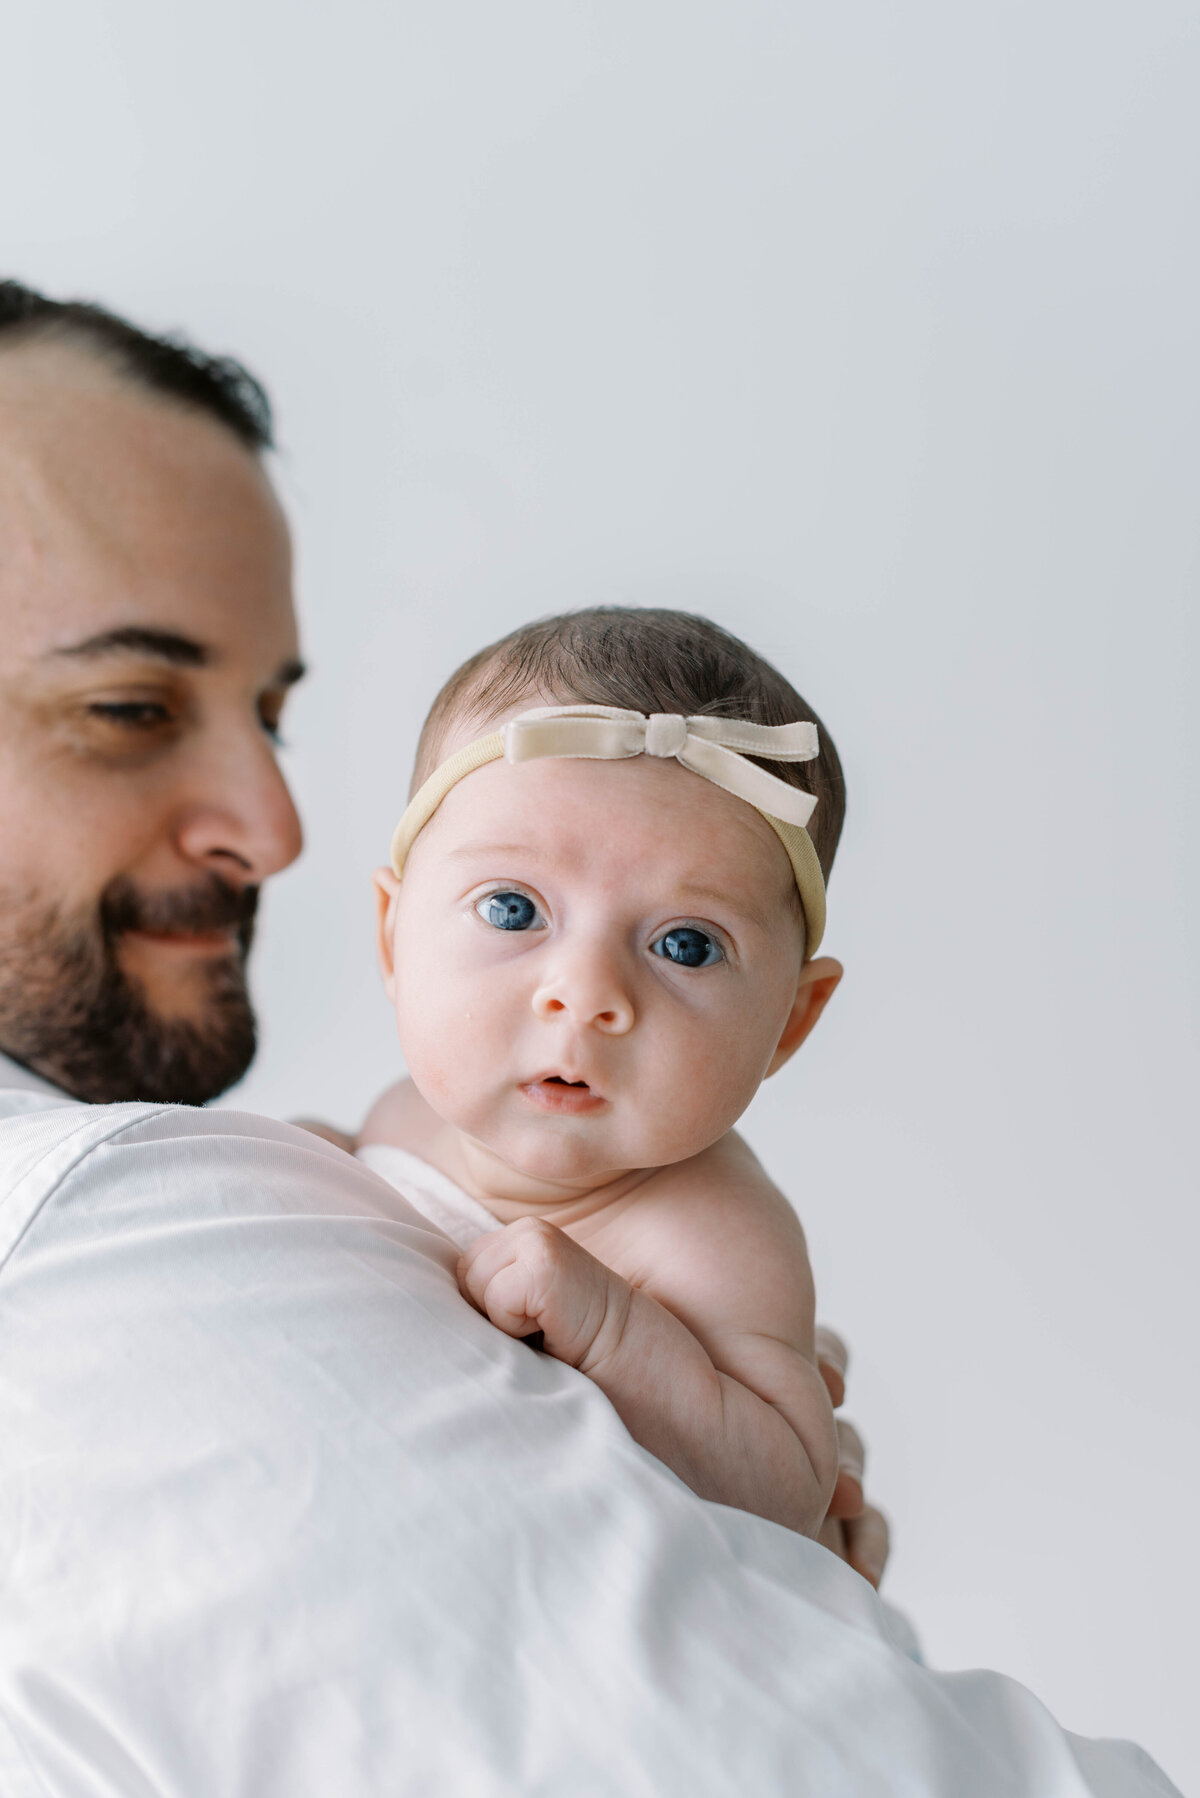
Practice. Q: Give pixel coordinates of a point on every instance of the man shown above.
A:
(147, 649)
(280, 1514)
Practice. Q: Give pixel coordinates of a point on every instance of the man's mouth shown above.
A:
(563, 1097)
(223, 941)
(211, 919)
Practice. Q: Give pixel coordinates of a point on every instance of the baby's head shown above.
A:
(595, 962)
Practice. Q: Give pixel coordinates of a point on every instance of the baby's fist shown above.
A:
(531, 1276)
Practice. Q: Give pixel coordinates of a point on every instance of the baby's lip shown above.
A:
(560, 1091)
(561, 1076)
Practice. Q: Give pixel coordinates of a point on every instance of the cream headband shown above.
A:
(713, 747)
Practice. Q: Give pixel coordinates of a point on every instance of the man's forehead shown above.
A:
(119, 510)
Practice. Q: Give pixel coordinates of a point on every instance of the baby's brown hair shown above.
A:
(647, 660)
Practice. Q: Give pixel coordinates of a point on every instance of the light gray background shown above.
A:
(869, 330)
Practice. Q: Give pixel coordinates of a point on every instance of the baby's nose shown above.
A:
(588, 992)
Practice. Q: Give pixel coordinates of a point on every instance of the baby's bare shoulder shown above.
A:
(726, 1192)
(401, 1117)
(715, 1241)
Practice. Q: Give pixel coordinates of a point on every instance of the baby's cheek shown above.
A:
(429, 1039)
(446, 1061)
(711, 1089)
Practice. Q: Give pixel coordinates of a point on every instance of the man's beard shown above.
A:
(68, 1010)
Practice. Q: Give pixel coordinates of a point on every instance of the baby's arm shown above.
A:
(704, 1338)
(396, 1116)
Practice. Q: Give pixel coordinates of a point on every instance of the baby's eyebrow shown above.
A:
(529, 851)
(689, 894)
(723, 900)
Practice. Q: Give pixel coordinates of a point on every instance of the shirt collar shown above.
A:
(13, 1076)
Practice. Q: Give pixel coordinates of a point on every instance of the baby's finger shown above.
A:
(867, 1543)
(505, 1297)
(476, 1265)
(847, 1500)
(833, 1358)
(832, 1535)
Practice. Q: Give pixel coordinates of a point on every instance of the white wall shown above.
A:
(871, 331)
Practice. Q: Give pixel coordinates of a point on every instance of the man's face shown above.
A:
(147, 644)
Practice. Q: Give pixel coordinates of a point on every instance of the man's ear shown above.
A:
(387, 891)
(814, 989)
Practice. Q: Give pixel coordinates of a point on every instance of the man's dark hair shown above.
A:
(169, 365)
(647, 659)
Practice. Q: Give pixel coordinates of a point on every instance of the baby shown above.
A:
(599, 933)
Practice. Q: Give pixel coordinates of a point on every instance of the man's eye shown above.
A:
(508, 911)
(270, 716)
(689, 948)
(272, 727)
(131, 714)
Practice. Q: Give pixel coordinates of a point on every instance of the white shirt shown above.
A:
(14, 1078)
(281, 1516)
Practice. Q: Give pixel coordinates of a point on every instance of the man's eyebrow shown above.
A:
(138, 639)
(164, 646)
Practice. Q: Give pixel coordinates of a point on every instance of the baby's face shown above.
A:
(594, 963)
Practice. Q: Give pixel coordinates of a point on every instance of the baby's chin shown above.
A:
(560, 1150)
(572, 1155)
(555, 1159)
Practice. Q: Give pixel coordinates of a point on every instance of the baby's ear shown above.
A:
(815, 988)
(387, 891)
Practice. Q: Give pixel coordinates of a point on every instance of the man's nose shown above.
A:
(238, 816)
(587, 984)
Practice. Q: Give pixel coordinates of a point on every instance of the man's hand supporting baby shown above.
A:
(743, 1418)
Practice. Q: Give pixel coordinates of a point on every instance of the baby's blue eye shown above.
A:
(508, 911)
(688, 948)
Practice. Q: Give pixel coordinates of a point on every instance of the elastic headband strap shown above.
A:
(714, 748)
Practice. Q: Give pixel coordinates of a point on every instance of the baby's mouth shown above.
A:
(555, 1093)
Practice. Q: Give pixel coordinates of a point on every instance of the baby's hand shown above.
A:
(711, 1427)
(531, 1276)
(853, 1529)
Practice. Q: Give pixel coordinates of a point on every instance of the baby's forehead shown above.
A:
(630, 823)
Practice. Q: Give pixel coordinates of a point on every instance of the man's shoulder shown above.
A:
(43, 1138)
(78, 1168)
